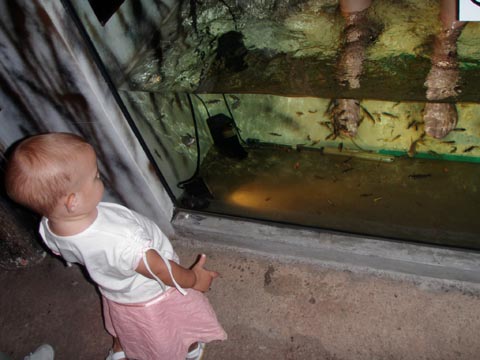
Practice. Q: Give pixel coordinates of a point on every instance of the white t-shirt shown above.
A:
(111, 249)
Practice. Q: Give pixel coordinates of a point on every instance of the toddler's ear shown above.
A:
(71, 202)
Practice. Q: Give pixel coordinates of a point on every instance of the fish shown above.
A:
(299, 113)
(414, 123)
(392, 139)
(236, 101)
(412, 150)
(369, 116)
(331, 136)
(389, 115)
(326, 124)
(419, 176)
(470, 148)
(188, 140)
(215, 101)
(275, 134)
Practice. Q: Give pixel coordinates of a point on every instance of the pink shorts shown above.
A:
(165, 327)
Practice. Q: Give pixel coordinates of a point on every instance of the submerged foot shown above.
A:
(440, 119)
(346, 117)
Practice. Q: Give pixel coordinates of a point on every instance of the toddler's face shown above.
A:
(89, 186)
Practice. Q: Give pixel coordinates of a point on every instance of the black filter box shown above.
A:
(223, 131)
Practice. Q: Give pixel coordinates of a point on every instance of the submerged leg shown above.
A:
(442, 80)
(440, 119)
(346, 117)
(357, 35)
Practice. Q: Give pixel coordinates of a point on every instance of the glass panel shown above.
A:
(297, 112)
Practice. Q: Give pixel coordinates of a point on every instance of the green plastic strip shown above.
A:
(448, 157)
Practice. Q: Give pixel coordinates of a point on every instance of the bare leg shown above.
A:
(442, 80)
(193, 346)
(351, 6)
(117, 347)
(357, 34)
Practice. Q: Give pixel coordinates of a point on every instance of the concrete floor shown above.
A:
(270, 307)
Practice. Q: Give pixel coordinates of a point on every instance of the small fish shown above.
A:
(331, 136)
(312, 111)
(347, 170)
(158, 154)
(412, 150)
(275, 134)
(454, 149)
(326, 124)
(366, 194)
(459, 129)
(369, 116)
(377, 199)
(392, 139)
(340, 147)
(236, 101)
(415, 123)
(470, 148)
(389, 115)
(188, 140)
(419, 176)
(215, 101)
(299, 113)
(448, 142)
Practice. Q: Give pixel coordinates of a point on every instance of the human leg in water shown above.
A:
(358, 33)
(443, 79)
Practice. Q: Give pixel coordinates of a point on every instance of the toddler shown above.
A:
(153, 307)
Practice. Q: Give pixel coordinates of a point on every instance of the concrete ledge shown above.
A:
(334, 249)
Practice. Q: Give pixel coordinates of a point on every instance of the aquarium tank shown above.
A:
(303, 112)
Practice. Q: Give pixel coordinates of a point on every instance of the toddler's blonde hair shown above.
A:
(41, 170)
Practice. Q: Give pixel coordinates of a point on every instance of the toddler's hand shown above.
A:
(204, 276)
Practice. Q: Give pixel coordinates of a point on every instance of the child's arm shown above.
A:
(197, 277)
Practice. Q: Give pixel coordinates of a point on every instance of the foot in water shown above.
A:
(358, 34)
(345, 115)
(443, 82)
(440, 119)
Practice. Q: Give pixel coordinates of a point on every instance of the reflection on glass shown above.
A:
(357, 116)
